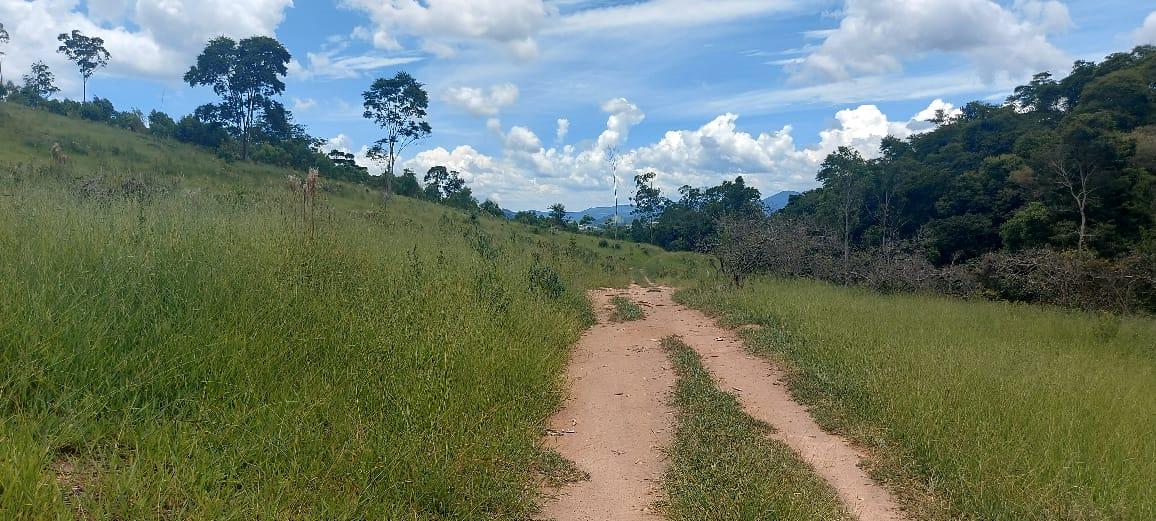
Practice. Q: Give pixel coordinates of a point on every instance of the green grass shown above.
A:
(625, 310)
(975, 410)
(723, 465)
(196, 352)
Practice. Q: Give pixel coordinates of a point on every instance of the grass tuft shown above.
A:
(625, 310)
(723, 465)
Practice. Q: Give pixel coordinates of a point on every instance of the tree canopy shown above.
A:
(246, 75)
(88, 53)
(398, 105)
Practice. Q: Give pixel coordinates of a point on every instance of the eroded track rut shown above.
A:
(617, 421)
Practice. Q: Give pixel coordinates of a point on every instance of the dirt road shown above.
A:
(617, 421)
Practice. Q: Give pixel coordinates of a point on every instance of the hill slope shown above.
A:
(187, 339)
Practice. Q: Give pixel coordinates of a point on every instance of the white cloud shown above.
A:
(875, 37)
(145, 37)
(526, 174)
(442, 25)
(522, 139)
(665, 14)
(481, 102)
(1146, 33)
(329, 64)
(623, 115)
(562, 131)
(300, 104)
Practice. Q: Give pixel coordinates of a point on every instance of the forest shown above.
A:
(1048, 197)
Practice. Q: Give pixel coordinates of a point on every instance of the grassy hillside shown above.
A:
(177, 343)
(1001, 411)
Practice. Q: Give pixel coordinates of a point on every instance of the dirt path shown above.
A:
(620, 378)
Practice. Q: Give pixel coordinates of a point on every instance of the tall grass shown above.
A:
(1001, 411)
(199, 354)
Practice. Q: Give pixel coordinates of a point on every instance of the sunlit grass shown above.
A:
(1000, 411)
(197, 353)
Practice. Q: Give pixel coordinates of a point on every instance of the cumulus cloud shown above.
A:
(875, 37)
(1146, 34)
(145, 37)
(623, 115)
(481, 102)
(442, 25)
(522, 139)
(526, 173)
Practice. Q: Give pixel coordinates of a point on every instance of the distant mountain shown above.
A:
(778, 201)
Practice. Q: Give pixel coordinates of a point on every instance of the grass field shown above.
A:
(974, 410)
(723, 466)
(177, 343)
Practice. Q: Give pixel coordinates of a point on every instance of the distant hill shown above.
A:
(778, 201)
(600, 214)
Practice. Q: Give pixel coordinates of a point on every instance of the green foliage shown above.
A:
(40, 83)
(246, 75)
(557, 215)
(398, 105)
(87, 52)
(999, 411)
(723, 464)
(1030, 227)
(965, 188)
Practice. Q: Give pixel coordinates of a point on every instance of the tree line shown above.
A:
(1048, 197)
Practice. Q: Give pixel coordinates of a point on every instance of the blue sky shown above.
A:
(694, 90)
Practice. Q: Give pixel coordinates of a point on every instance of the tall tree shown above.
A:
(558, 215)
(842, 175)
(4, 39)
(40, 82)
(398, 105)
(648, 201)
(88, 53)
(246, 75)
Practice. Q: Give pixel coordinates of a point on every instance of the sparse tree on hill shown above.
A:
(398, 105)
(40, 82)
(4, 39)
(246, 75)
(88, 53)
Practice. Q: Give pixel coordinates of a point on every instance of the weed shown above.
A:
(625, 310)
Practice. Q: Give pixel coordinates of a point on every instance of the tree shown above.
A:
(87, 52)
(398, 105)
(491, 208)
(585, 221)
(40, 82)
(246, 75)
(435, 181)
(648, 201)
(842, 174)
(4, 39)
(558, 215)
(161, 125)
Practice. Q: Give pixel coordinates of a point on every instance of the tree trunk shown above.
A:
(84, 90)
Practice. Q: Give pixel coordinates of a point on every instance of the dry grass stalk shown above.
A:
(58, 155)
